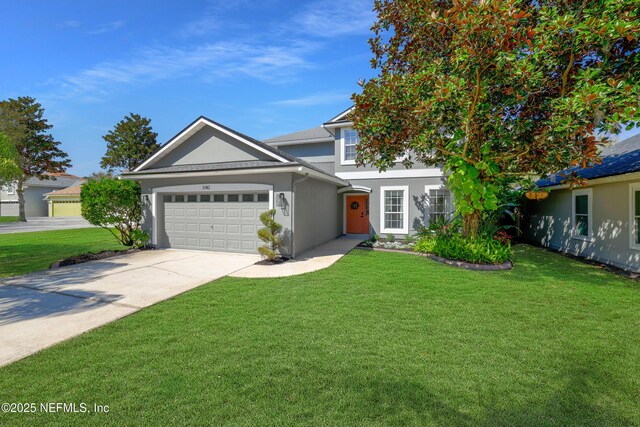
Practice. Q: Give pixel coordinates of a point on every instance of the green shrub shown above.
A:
(270, 235)
(113, 203)
(483, 250)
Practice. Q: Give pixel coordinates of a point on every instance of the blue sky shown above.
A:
(262, 67)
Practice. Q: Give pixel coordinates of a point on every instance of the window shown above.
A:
(179, 198)
(247, 197)
(168, 199)
(349, 141)
(264, 197)
(438, 204)
(581, 214)
(192, 198)
(205, 198)
(394, 205)
(233, 198)
(11, 188)
(634, 215)
(218, 197)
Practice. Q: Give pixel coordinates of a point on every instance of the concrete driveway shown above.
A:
(40, 309)
(44, 224)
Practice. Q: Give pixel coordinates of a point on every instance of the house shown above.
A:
(205, 188)
(35, 189)
(66, 201)
(599, 221)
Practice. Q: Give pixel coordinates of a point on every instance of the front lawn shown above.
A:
(22, 253)
(377, 339)
(9, 219)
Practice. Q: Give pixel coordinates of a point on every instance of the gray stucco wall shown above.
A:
(281, 184)
(209, 145)
(548, 223)
(417, 200)
(315, 214)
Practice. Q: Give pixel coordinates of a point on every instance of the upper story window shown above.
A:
(581, 214)
(349, 141)
(11, 188)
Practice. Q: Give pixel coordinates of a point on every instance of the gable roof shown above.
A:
(340, 118)
(309, 136)
(74, 190)
(620, 158)
(58, 181)
(200, 123)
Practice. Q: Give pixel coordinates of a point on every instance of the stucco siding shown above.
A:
(279, 183)
(209, 145)
(417, 200)
(316, 218)
(549, 223)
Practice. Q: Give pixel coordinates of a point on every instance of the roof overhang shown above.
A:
(341, 116)
(237, 172)
(190, 130)
(301, 141)
(599, 181)
(355, 189)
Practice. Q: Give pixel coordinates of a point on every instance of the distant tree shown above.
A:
(130, 142)
(100, 174)
(38, 153)
(9, 168)
(116, 205)
(498, 90)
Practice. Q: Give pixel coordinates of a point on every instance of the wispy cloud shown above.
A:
(314, 100)
(325, 18)
(71, 23)
(200, 27)
(210, 61)
(108, 27)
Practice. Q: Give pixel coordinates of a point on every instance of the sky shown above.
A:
(264, 68)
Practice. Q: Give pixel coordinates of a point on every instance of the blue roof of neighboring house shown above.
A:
(617, 159)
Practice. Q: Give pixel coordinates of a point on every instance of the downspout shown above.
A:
(293, 210)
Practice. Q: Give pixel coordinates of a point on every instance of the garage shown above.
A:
(226, 222)
(65, 208)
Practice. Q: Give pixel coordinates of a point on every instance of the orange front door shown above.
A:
(357, 214)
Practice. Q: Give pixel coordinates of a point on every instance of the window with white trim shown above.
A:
(350, 141)
(11, 188)
(394, 208)
(581, 214)
(634, 215)
(439, 205)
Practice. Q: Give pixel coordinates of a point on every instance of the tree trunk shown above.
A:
(470, 225)
(20, 191)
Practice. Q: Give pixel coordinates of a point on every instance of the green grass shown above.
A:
(376, 339)
(9, 219)
(22, 253)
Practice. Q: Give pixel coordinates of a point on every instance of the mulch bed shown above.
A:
(507, 265)
(276, 261)
(79, 259)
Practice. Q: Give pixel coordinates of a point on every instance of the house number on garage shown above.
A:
(206, 187)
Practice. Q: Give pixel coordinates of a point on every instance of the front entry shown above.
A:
(357, 214)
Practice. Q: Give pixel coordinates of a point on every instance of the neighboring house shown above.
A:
(600, 221)
(35, 189)
(205, 188)
(65, 202)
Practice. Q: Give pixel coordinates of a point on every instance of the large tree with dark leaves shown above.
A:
(497, 90)
(130, 142)
(38, 153)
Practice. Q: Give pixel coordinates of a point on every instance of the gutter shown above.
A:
(598, 181)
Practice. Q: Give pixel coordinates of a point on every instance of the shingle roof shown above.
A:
(74, 190)
(61, 181)
(617, 159)
(203, 167)
(308, 135)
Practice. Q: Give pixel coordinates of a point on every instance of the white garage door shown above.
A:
(220, 222)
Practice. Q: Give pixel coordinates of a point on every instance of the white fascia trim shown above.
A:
(355, 189)
(322, 177)
(633, 187)
(199, 124)
(337, 125)
(598, 181)
(405, 210)
(582, 192)
(400, 173)
(341, 115)
(212, 173)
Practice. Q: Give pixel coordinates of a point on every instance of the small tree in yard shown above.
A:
(270, 234)
(115, 204)
(130, 142)
(498, 90)
(38, 153)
